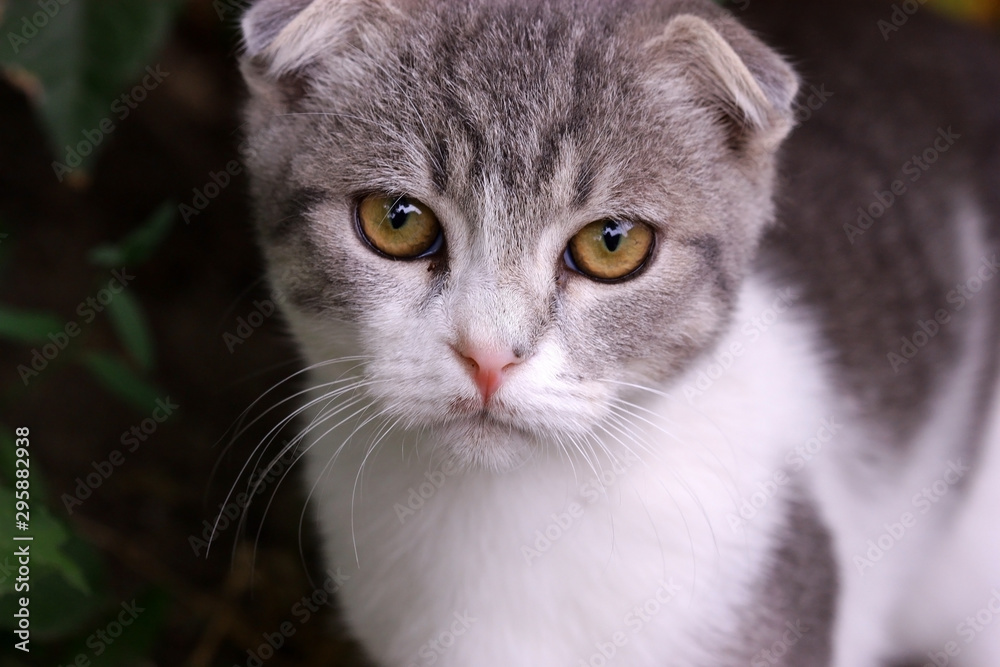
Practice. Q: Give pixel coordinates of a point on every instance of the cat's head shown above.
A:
(510, 210)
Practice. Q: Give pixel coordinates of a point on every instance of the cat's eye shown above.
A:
(400, 227)
(610, 250)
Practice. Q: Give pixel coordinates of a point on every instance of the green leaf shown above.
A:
(129, 323)
(60, 610)
(80, 61)
(138, 246)
(112, 373)
(46, 547)
(26, 326)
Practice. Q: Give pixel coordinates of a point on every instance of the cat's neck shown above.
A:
(394, 515)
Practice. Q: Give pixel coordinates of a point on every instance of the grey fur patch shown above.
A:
(439, 164)
(796, 603)
(711, 251)
(294, 219)
(870, 293)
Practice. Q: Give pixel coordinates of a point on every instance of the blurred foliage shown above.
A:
(139, 245)
(69, 593)
(123, 372)
(68, 584)
(47, 553)
(75, 58)
(84, 64)
(27, 326)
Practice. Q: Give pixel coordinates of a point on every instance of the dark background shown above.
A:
(131, 536)
(168, 334)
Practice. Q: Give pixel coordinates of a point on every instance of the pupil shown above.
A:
(398, 217)
(401, 212)
(612, 236)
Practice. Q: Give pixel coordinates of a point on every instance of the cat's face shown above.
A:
(510, 211)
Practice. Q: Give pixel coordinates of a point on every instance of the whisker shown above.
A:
(687, 527)
(623, 406)
(390, 423)
(294, 443)
(289, 446)
(237, 425)
(324, 471)
(269, 438)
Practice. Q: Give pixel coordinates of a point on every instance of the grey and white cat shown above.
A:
(602, 369)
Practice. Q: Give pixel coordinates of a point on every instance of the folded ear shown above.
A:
(265, 20)
(285, 39)
(286, 35)
(262, 24)
(748, 86)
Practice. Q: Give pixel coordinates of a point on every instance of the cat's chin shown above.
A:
(483, 443)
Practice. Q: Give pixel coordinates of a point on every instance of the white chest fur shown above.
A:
(635, 555)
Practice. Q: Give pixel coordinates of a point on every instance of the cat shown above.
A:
(640, 332)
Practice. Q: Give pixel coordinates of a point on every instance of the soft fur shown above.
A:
(685, 467)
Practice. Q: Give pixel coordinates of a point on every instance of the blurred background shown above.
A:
(136, 335)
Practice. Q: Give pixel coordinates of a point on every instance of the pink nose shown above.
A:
(487, 367)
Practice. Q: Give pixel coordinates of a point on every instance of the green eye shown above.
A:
(610, 249)
(399, 227)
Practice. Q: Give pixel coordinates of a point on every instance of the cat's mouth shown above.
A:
(468, 407)
(483, 438)
(475, 412)
(492, 417)
(480, 419)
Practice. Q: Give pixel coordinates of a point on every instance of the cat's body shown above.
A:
(719, 460)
